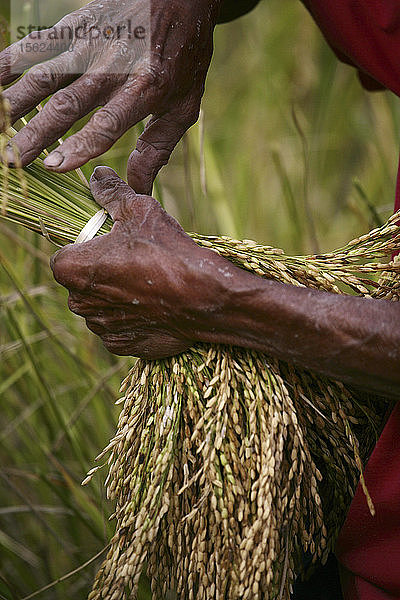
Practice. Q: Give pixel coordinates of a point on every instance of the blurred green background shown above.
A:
(290, 151)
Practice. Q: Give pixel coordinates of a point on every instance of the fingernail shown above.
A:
(54, 159)
(101, 172)
(9, 157)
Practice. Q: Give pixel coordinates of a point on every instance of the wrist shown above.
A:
(218, 303)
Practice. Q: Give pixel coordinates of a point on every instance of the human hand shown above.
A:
(163, 75)
(145, 288)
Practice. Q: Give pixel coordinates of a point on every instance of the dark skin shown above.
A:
(146, 288)
(127, 81)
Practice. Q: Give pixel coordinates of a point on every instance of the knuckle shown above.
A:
(146, 77)
(83, 15)
(96, 330)
(74, 305)
(100, 140)
(122, 50)
(161, 148)
(66, 102)
(115, 346)
(76, 18)
(5, 65)
(81, 144)
(150, 74)
(87, 143)
(5, 55)
(111, 122)
(91, 141)
(96, 325)
(40, 77)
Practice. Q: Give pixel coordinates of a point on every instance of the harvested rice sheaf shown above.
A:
(228, 467)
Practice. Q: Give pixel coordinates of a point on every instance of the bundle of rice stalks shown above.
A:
(228, 467)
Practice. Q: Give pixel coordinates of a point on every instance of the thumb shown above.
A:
(118, 198)
(111, 192)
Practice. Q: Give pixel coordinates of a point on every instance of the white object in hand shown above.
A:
(92, 227)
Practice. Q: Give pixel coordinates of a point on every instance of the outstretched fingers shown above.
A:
(39, 83)
(105, 127)
(33, 49)
(58, 115)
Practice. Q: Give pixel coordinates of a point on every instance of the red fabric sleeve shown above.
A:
(369, 547)
(365, 34)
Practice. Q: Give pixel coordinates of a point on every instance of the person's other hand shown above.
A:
(166, 81)
(145, 288)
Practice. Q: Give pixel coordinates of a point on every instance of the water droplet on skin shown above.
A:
(135, 301)
(225, 272)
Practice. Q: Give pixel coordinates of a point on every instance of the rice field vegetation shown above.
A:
(289, 151)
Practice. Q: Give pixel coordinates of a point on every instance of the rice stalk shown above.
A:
(228, 466)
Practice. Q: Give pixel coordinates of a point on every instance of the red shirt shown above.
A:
(366, 34)
(369, 547)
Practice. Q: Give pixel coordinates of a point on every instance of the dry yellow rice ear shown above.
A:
(229, 467)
